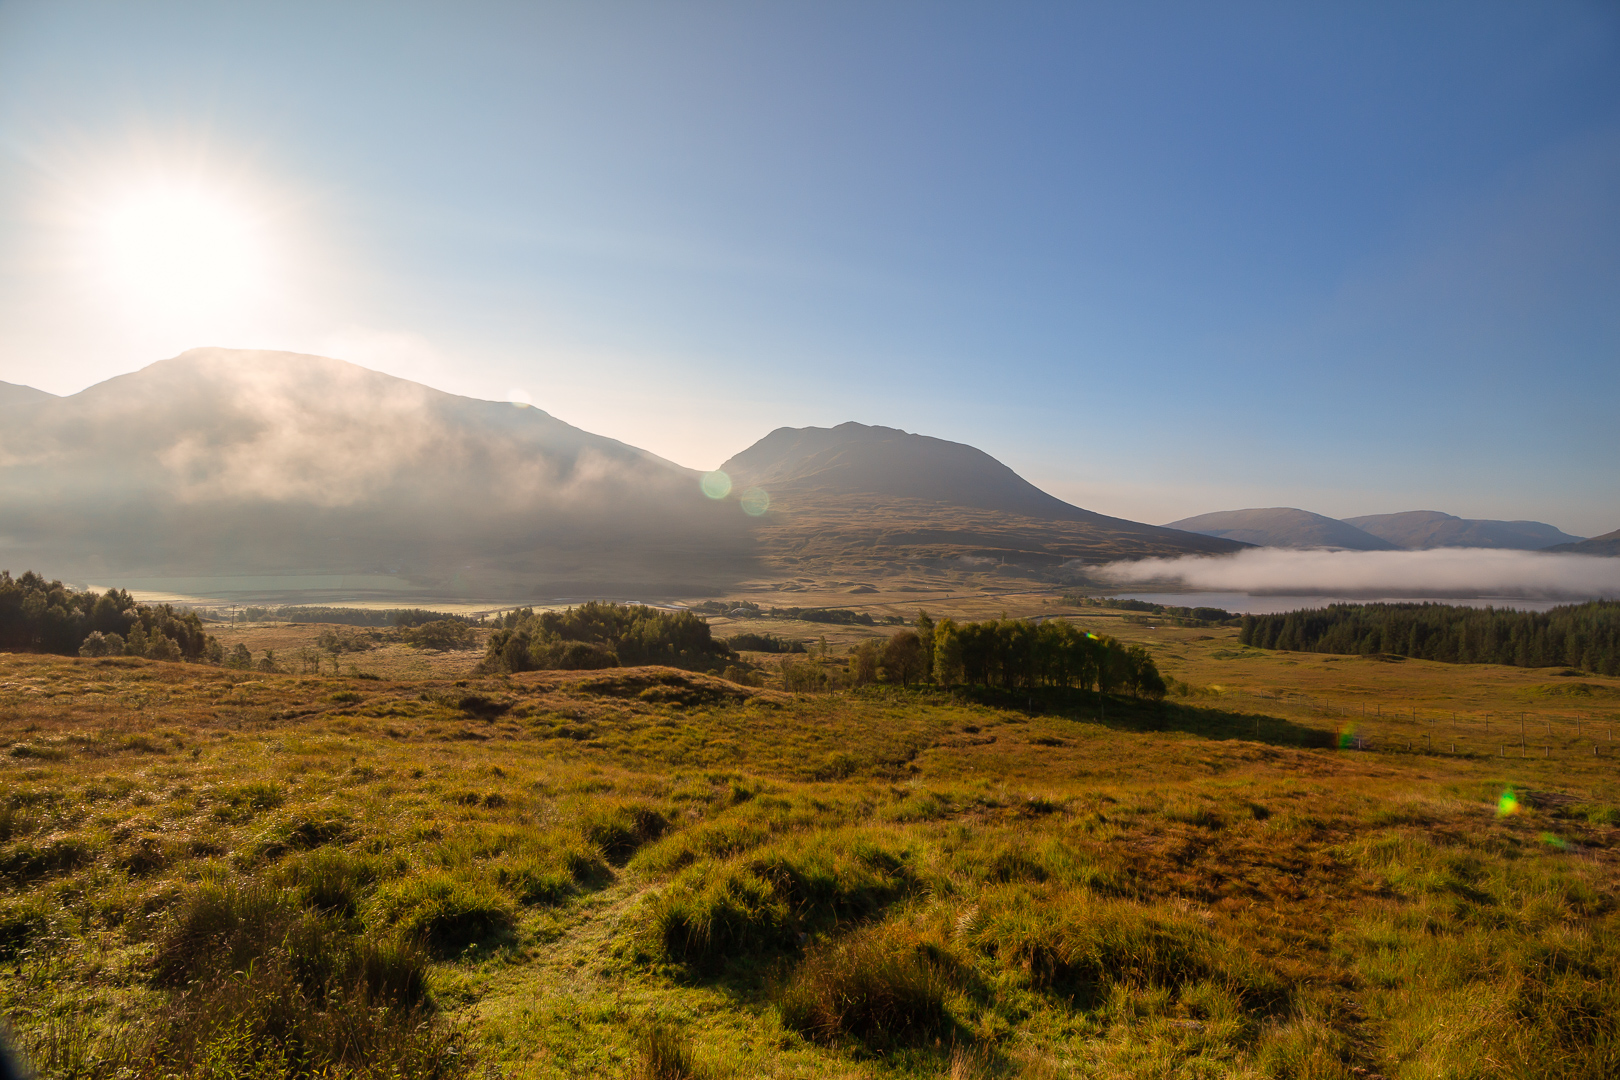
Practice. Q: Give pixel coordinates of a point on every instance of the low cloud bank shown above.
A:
(1441, 572)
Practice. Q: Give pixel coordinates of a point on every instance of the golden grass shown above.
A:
(927, 884)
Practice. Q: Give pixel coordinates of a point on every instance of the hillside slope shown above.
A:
(1607, 544)
(224, 462)
(1420, 529)
(880, 500)
(1283, 526)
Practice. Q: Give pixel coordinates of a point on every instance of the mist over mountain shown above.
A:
(226, 462)
(1283, 526)
(12, 394)
(878, 500)
(1422, 529)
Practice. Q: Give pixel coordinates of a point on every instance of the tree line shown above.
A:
(1584, 636)
(403, 618)
(1012, 654)
(602, 635)
(37, 615)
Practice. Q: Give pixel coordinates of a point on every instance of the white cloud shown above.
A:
(1441, 572)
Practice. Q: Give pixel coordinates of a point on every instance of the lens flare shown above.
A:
(1347, 736)
(755, 502)
(716, 485)
(1552, 841)
(1508, 804)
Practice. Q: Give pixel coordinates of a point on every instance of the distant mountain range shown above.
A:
(1413, 530)
(1607, 544)
(1283, 526)
(302, 473)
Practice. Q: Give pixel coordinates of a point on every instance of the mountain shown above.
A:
(1418, 529)
(12, 394)
(856, 498)
(221, 463)
(1607, 544)
(1283, 526)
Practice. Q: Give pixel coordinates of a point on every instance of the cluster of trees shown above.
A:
(597, 635)
(46, 616)
(1181, 616)
(1585, 636)
(763, 643)
(404, 618)
(1013, 654)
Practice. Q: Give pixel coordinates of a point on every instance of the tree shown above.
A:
(903, 658)
(863, 663)
(925, 636)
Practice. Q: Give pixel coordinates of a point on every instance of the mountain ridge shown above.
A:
(1283, 526)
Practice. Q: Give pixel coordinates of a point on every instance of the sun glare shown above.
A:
(181, 249)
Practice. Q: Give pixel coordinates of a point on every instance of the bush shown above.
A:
(872, 986)
(442, 635)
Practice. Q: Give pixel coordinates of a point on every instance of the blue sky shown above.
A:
(1160, 258)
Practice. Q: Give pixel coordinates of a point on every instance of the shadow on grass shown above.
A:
(1132, 714)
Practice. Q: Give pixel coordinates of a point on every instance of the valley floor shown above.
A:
(1303, 868)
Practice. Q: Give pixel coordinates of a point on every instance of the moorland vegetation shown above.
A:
(1582, 636)
(657, 873)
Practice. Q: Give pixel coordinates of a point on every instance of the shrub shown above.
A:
(441, 635)
(872, 986)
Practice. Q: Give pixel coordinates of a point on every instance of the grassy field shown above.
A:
(645, 872)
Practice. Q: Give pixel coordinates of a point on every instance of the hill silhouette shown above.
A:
(222, 462)
(13, 394)
(1283, 526)
(1419, 529)
(1607, 544)
(879, 500)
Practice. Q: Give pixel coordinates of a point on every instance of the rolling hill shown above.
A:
(1283, 526)
(220, 465)
(858, 499)
(1420, 529)
(1607, 544)
(224, 472)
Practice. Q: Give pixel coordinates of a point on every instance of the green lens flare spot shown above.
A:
(755, 502)
(716, 485)
(1507, 804)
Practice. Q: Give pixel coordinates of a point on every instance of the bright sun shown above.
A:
(181, 249)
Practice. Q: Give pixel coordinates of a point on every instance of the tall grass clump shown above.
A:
(713, 914)
(1078, 944)
(446, 912)
(873, 985)
(662, 1053)
(261, 986)
(717, 912)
